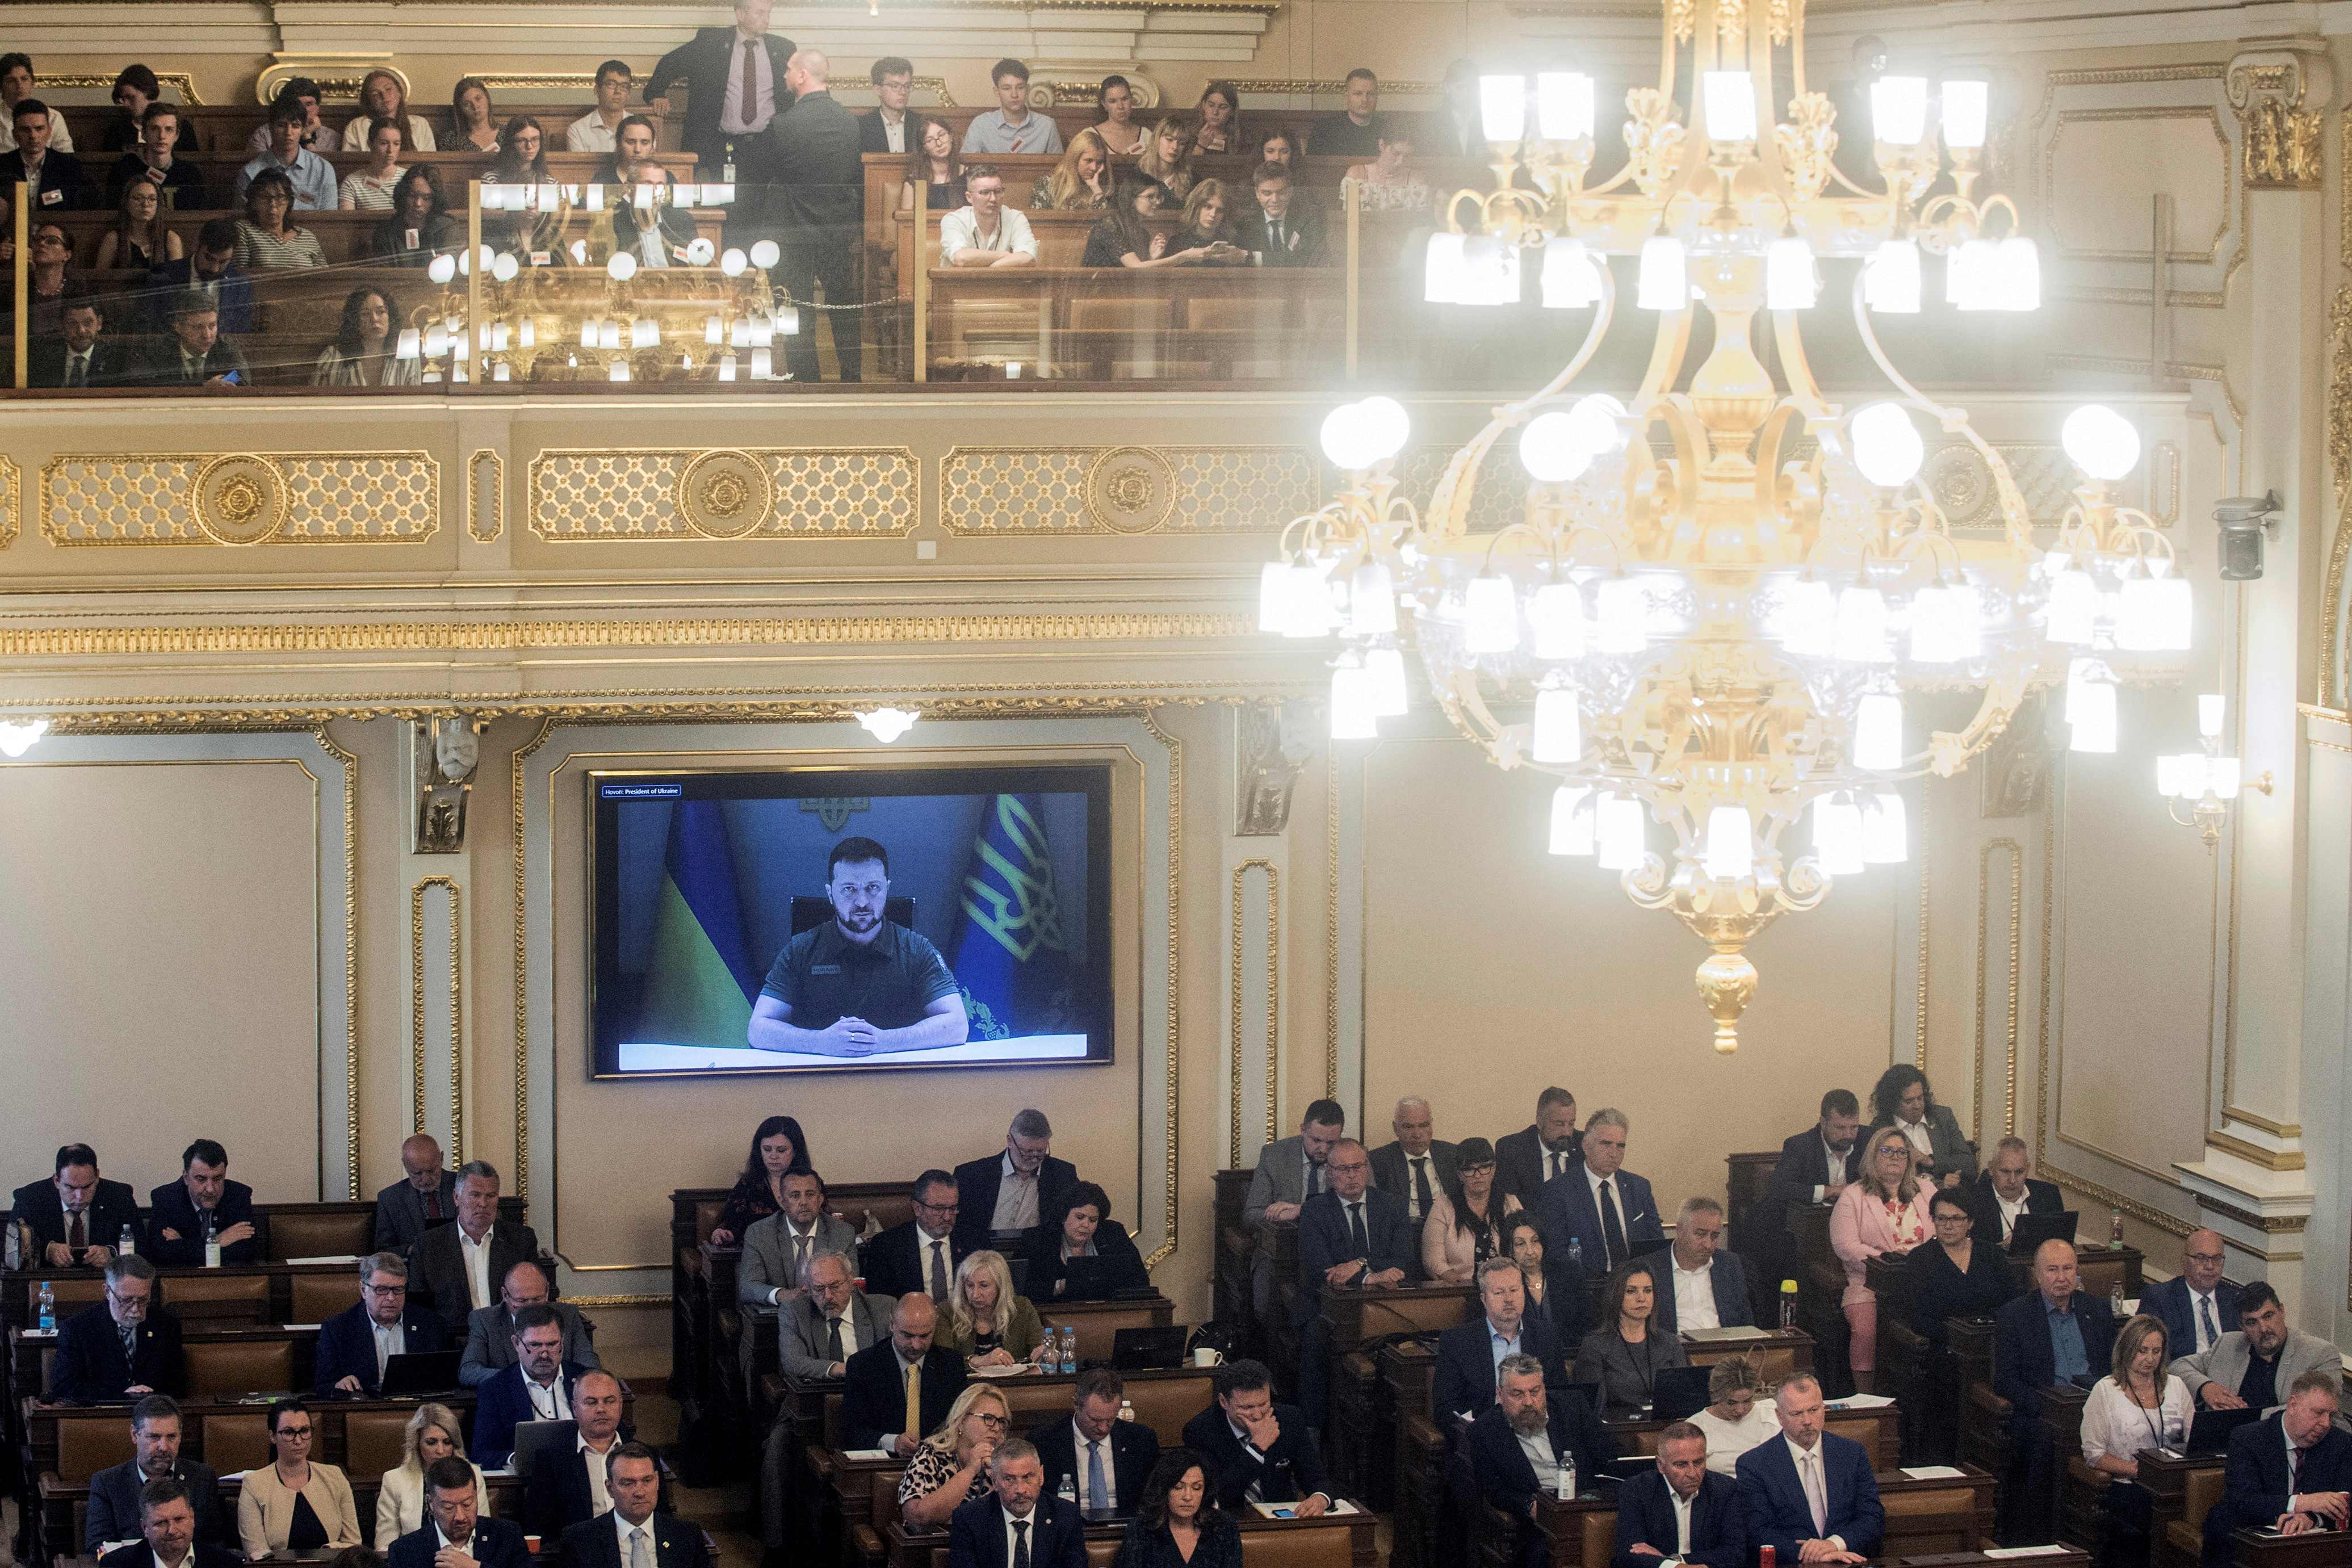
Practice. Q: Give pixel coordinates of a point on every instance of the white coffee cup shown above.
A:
(1206, 1355)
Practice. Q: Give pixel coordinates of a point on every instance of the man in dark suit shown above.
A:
(1468, 1354)
(76, 1216)
(874, 1402)
(735, 86)
(1017, 1188)
(453, 1518)
(2055, 1334)
(2005, 1192)
(208, 269)
(817, 1333)
(1526, 1160)
(81, 354)
(115, 1512)
(457, 1268)
(179, 1212)
(1258, 1451)
(490, 1332)
(192, 353)
(2197, 1305)
(355, 1343)
(1104, 1459)
(424, 1197)
(1284, 231)
(1710, 1280)
(889, 129)
(1681, 1509)
(820, 200)
(123, 1347)
(2291, 1472)
(1416, 1166)
(540, 1386)
(57, 178)
(169, 1535)
(1290, 1172)
(570, 1482)
(633, 1478)
(919, 1257)
(1603, 1209)
(1815, 1167)
(1015, 1524)
(1831, 1506)
(1353, 1237)
(1517, 1443)
(1456, 130)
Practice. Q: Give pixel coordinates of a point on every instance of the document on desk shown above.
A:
(331, 1258)
(865, 1453)
(1862, 1402)
(1726, 1335)
(1290, 1510)
(1935, 1472)
(1997, 1551)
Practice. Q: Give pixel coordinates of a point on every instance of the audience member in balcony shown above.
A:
(593, 132)
(382, 98)
(268, 238)
(1208, 225)
(362, 353)
(655, 243)
(194, 354)
(56, 178)
(16, 86)
(310, 179)
(139, 239)
(1278, 148)
(419, 228)
(369, 190)
(1219, 128)
(135, 88)
(181, 183)
(299, 93)
(735, 88)
(1384, 184)
(1459, 133)
(535, 234)
(1356, 134)
(210, 272)
(819, 199)
(933, 164)
(51, 278)
(1115, 101)
(1168, 157)
(890, 128)
(296, 1504)
(1283, 232)
(1010, 126)
(1081, 181)
(985, 232)
(434, 1432)
(475, 121)
(78, 354)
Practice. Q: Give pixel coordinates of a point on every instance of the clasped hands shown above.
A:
(1342, 1273)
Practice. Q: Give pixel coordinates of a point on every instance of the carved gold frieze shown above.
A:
(1006, 491)
(486, 495)
(12, 501)
(238, 499)
(673, 495)
(2280, 98)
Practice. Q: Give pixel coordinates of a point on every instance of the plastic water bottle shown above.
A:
(1068, 1490)
(129, 1245)
(1126, 1409)
(2115, 1229)
(2115, 1298)
(1576, 1252)
(1566, 1484)
(1070, 1351)
(212, 1243)
(49, 1309)
(1788, 1304)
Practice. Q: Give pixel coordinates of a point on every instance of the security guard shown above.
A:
(860, 985)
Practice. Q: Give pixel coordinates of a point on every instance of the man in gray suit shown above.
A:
(491, 1330)
(817, 1331)
(427, 1193)
(1290, 1172)
(1417, 1166)
(777, 1252)
(2253, 1368)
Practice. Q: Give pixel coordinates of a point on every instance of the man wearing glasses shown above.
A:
(123, 1347)
(919, 1257)
(860, 984)
(356, 1344)
(1353, 1237)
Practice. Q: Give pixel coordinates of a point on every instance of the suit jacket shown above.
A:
(2256, 1487)
(1280, 1178)
(1645, 1516)
(814, 157)
(977, 1181)
(1042, 1247)
(1390, 1174)
(1506, 1479)
(1464, 1381)
(170, 1208)
(61, 177)
(112, 1207)
(436, 1270)
(1324, 1240)
(489, 1342)
(501, 1405)
(167, 283)
(1291, 1471)
(1774, 1499)
(702, 63)
(496, 1543)
(802, 1338)
(203, 1554)
(767, 1260)
(596, 1544)
(1302, 222)
(1565, 1209)
(400, 1208)
(1626, 1380)
(1134, 1449)
(976, 1534)
(1984, 1207)
(873, 136)
(1520, 1163)
(556, 1496)
(2023, 1364)
(90, 1368)
(874, 1400)
(2170, 1301)
(347, 1345)
(893, 1260)
(46, 364)
(113, 1513)
(1804, 1166)
(2227, 1361)
(157, 363)
(1728, 1278)
(1947, 1145)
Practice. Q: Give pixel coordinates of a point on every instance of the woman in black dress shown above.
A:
(1125, 236)
(1955, 1276)
(777, 1150)
(1178, 1524)
(1081, 1226)
(1556, 1292)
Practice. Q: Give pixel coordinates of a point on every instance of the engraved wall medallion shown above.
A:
(239, 500)
(1130, 489)
(725, 494)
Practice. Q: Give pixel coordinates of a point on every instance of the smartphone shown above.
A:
(235, 378)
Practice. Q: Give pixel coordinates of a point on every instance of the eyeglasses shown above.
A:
(400, 1290)
(294, 1434)
(1339, 1170)
(140, 1301)
(938, 1208)
(994, 1423)
(2203, 1257)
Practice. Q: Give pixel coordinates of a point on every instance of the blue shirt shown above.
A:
(313, 177)
(1501, 1346)
(2070, 1360)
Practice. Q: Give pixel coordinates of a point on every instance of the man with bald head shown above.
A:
(1352, 1237)
(2198, 1306)
(1417, 1165)
(424, 1197)
(820, 208)
(2054, 1335)
(898, 1391)
(491, 1330)
(568, 1483)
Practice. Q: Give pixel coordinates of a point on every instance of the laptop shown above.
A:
(1150, 1349)
(2209, 1433)
(414, 1373)
(1679, 1393)
(1087, 1280)
(2032, 1229)
(535, 1439)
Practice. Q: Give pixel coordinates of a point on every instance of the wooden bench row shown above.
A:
(344, 237)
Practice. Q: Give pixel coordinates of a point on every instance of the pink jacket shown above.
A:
(1861, 1229)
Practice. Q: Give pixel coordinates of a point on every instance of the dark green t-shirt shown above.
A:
(823, 976)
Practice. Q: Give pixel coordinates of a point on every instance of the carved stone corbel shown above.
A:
(445, 754)
(2013, 774)
(1266, 771)
(2280, 95)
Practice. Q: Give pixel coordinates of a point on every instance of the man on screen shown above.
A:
(860, 985)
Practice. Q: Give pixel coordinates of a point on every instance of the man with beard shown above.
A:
(1519, 1443)
(859, 985)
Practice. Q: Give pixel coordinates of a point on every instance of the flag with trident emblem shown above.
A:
(1010, 956)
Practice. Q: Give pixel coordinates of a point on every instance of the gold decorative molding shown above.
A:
(660, 1301)
(456, 1011)
(2275, 1129)
(1175, 924)
(237, 498)
(181, 86)
(2255, 1154)
(2016, 977)
(1331, 926)
(1334, 88)
(2210, 116)
(1004, 492)
(12, 501)
(672, 494)
(2115, 1200)
(522, 755)
(1919, 1035)
(485, 496)
(350, 762)
(1273, 991)
(2268, 1224)
(2279, 134)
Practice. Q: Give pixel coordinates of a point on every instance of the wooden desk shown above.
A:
(1335, 1541)
(2167, 1480)
(1226, 323)
(1923, 1516)
(64, 1509)
(1779, 1352)
(1583, 1532)
(2047, 1557)
(30, 1352)
(1363, 1432)
(2314, 1549)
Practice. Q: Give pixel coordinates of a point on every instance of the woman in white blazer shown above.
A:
(434, 1432)
(294, 1503)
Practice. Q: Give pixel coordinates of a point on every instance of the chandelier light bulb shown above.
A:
(1571, 281)
(1273, 597)
(1730, 843)
(2100, 441)
(1934, 615)
(1619, 833)
(1352, 704)
(1442, 268)
(1966, 106)
(764, 254)
(1503, 108)
(1558, 732)
(732, 261)
(1490, 615)
(2155, 615)
(1886, 835)
(2019, 269)
(1310, 613)
(1792, 281)
(1890, 279)
(1548, 448)
(17, 739)
(1886, 445)
(2209, 709)
(1898, 110)
(443, 268)
(1386, 425)
(608, 333)
(1596, 424)
(1556, 620)
(1972, 279)
(1490, 272)
(1859, 632)
(621, 266)
(1384, 667)
(1837, 835)
(1347, 438)
(1665, 274)
(1730, 99)
(1806, 623)
(1564, 106)
(411, 343)
(1371, 602)
(2222, 777)
(2080, 672)
(1878, 733)
(506, 268)
(2171, 775)
(2073, 607)
(1623, 617)
(1571, 822)
(2091, 713)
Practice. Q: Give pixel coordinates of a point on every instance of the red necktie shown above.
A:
(432, 1203)
(751, 84)
(77, 1238)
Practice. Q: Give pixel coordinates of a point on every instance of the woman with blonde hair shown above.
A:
(1167, 157)
(947, 1463)
(2136, 1407)
(984, 1320)
(1207, 225)
(1738, 1413)
(434, 1432)
(382, 98)
(1080, 183)
(1885, 1212)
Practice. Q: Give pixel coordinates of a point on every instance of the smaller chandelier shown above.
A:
(2204, 782)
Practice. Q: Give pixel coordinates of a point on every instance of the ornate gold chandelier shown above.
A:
(1725, 583)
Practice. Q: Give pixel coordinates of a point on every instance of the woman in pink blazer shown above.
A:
(1884, 1212)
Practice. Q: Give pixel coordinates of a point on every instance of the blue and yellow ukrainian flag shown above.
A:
(699, 981)
(1008, 954)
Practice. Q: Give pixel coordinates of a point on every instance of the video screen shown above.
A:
(822, 919)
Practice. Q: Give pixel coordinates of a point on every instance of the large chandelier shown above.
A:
(1725, 583)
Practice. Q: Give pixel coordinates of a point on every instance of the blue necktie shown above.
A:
(1098, 1489)
(2205, 1312)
